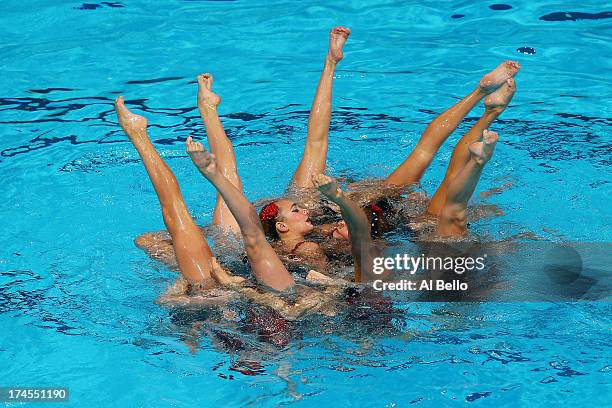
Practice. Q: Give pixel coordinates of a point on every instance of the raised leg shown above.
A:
(495, 105)
(221, 147)
(192, 251)
(267, 267)
(436, 133)
(452, 220)
(315, 151)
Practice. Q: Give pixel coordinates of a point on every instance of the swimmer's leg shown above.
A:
(267, 267)
(192, 337)
(221, 147)
(452, 220)
(192, 251)
(495, 105)
(315, 150)
(158, 246)
(436, 133)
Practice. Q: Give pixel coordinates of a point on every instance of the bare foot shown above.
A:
(482, 151)
(206, 97)
(500, 99)
(496, 78)
(337, 38)
(204, 161)
(131, 123)
(326, 185)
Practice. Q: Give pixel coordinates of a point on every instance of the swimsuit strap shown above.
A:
(296, 247)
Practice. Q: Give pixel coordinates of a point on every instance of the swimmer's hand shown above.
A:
(223, 277)
(317, 277)
(178, 295)
(205, 162)
(327, 186)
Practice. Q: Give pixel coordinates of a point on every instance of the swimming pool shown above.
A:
(76, 296)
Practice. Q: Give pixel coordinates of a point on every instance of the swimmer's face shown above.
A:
(341, 231)
(292, 218)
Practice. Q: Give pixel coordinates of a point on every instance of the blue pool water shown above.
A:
(77, 297)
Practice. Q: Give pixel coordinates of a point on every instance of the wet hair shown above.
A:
(268, 216)
(377, 215)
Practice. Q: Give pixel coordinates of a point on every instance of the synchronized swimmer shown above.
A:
(281, 229)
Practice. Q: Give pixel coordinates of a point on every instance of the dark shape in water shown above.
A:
(548, 380)
(93, 6)
(47, 90)
(113, 4)
(477, 395)
(458, 16)
(88, 6)
(563, 264)
(564, 370)
(245, 116)
(152, 81)
(526, 50)
(563, 267)
(575, 15)
(500, 7)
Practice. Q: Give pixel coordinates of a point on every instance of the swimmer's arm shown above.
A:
(267, 267)
(359, 234)
(289, 312)
(325, 229)
(312, 253)
(358, 226)
(328, 230)
(310, 250)
(354, 216)
(223, 276)
(317, 277)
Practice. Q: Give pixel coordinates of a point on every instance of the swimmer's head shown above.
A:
(284, 216)
(377, 214)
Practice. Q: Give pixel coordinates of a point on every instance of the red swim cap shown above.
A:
(376, 208)
(268, 212)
